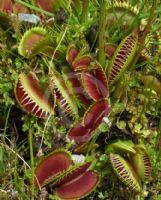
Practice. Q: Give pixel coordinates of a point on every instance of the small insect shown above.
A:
(31, 18)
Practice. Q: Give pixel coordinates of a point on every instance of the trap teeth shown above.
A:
(30, 96)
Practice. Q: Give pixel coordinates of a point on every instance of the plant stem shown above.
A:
(6, 122)
(32, 162)
(147, 28)
(32, 2)
(84, 14)
(101, 37)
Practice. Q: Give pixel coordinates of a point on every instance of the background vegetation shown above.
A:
(135, 98)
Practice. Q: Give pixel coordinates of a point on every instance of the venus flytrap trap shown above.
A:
(95, 83)
(64, 176)
(38, 41)
(124, 15)
(130, 162)
(30, 96)
(122, 58)
(141, 162)
(83, 131)
(123, 170)
(30, 40)
(126, 146)
(152, 45)
(64, 98)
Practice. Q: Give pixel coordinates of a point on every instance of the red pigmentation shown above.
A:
(6, 6)
(95, 83)
(81, 63)
(30, 96)
(78, 88)
(95, 114)
(53, 165)
(79, 187)
(79, 134)
(72, 52)
(73, 173)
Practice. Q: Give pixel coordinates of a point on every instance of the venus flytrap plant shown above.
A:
(123, 16)
(122, 58)
(34, 41)
(124, 171)
(97, 89)
(93, 82)
(56, 162)
(30, 96)
(119, 146)
(84, 130)
(65, 99)
(75, 87)
(62, 174)
(77, 111)
(141, 163)
(151, 46)
(131, 163)
(31, 38)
